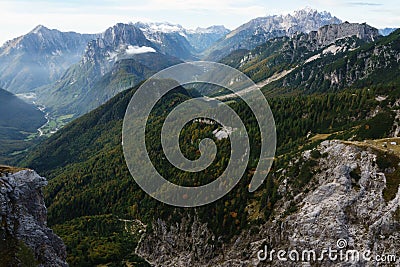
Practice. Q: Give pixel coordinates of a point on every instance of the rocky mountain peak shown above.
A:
(124, 34)
(39, 57)
(329, 33)
(310, 12)
(105, 50)
(308, 19)
(303, 20)
(39, 28)
(262, 29)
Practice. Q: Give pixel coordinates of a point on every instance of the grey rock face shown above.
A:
(98, 56)
(189, 243)
(23, 215)
(329, 33)
(335, 206)
(341, 208)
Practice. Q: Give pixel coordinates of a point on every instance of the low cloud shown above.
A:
(133, 50)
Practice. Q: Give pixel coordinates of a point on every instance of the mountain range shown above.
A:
(89, 181)
(295, 59)
(122, 51)
(259, 30)
(39, 57)
(334, 92)
(43, 55)
(73, 73)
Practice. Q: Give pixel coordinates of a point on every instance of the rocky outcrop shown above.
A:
(23, 231)
(345, 202)
(188, 243)
(330, 33)
(342, 206)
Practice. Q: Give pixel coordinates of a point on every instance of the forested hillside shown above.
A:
(101, 213)
(89, 180)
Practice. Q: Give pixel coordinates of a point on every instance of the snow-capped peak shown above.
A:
(164, 27)
(212, 29)
(38, 28)
(302, 20)
(306, 10)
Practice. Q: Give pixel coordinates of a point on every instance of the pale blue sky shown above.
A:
(18, 17)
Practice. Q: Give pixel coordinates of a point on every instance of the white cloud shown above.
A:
(133, 50)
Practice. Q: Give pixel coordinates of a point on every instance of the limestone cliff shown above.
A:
(25, 239)
(329, 33)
